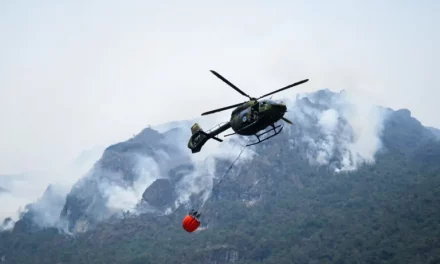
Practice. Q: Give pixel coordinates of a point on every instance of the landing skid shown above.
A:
(274, 129)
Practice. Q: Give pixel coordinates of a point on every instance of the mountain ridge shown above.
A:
(116, 165)
(342, 186)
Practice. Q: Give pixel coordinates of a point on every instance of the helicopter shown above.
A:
(247, 119)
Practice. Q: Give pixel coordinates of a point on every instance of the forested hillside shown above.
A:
(278, 207)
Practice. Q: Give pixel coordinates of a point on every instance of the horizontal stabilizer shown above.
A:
(210, 136)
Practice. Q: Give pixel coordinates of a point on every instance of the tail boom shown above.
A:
(200, 137)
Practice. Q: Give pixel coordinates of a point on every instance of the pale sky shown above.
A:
(75, 74)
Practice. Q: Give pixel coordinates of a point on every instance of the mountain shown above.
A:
(347, 183)
(435, 131)
(87, 158)
(123, 173)
(44, 212)
(27, 188)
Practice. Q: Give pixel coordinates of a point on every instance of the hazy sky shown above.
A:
(74, 74)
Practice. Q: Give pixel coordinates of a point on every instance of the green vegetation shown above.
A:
(382, 213)
(385, 212)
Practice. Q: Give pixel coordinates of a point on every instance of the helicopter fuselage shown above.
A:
(247, 118)
(254, 116)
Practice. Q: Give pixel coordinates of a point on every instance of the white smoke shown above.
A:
(11, 205)
(341, 129)
(7, 224)
(201, 181)
(46, 210)
(328, 121)
(123, 197)
(346, 129)
(29, 188)
(338, 127)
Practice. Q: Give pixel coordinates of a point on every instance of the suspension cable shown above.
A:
(223, 177)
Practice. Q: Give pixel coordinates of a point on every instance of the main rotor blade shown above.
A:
(221, 109)
(287, 120)
(230, 84)
(284, 88)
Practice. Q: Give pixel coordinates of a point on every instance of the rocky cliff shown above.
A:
(346, 183)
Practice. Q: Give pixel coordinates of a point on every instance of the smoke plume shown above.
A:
(341, 130)
(42, 193)
(337, 129)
